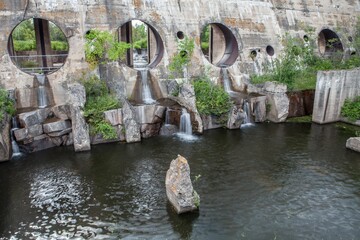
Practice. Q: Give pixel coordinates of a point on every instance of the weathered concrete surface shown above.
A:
(5, 141)
(301, 103)
(332, 89)
(353, 143)
(179, 189)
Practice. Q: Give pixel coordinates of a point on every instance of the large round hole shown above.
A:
(219, 45)
(253, 54)
(38, 46)
(329, 42)
(148, 47)
(270, 50)
(306, 38)
(180, 35)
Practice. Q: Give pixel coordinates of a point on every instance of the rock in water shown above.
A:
(179, 189)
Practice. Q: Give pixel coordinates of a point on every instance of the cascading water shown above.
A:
(185, 122)
(167, 116)
(42, 97)
(145, 93)
(227, 85)
(247, 119)
(15, 147)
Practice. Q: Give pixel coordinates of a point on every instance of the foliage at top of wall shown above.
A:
(99, 100)
(182, 58)
(298, 64)
(102, 46)
(211, 99)
(7, 105)
(351, 109)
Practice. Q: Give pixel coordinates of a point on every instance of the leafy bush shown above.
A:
(211, 99)
(99, 100)
(24, 45)
(7, 105)
(182, 58)
(59, 46)
(351, 109)
(102, 46)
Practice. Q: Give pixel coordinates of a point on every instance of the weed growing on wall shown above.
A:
(99, 100)
(351, 109)
(102, 46)
(7, 105)
(182, 58)
(211, 99)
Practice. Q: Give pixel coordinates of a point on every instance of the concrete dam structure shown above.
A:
(243, 35)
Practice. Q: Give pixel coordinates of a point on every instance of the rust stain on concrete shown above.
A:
(245, 24)
(155, 16)
(138, 3)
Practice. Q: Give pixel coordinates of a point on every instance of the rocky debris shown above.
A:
(132, 128)
(211, 122)
(80, 130)
(353, 143)
(5, 141)
(150, 118)
(150, 130)
(23, 134)
(235, 118)
(259, 108)
(38, 116)
(168, 130)
(62, 112)
(39, 143)
(179, 189)
(57, 126)
(113, 74)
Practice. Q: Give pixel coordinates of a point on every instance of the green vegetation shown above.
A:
(196, 199)
(298, 64)
(140, 36)
(7, 105)
(205, 34)
(182, 58)
(102, 46)
(211, 99)
(303, 119)
(99, 100)
(351, 109)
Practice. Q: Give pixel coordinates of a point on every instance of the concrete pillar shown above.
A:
(126, 36)
(43, 43)
(217, 44)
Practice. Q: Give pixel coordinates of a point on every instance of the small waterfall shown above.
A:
(167, 116)
(227, 84)
(246, 108)
(185, 122)
(42, 97)
(146, 92)
(14, 145)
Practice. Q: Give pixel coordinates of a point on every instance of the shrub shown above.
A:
(99, 100)
(7, 105)
(211, 99)
(182, 58)
(24, 45)
(102, 46)
(59, 46)
(351, 109)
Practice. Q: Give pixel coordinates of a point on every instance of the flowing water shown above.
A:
(227, 84)
(247, 120)
(272, 181)
(42, 97)
(145, 91)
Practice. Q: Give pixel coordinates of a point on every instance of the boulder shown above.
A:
(5, 141)
(62, 112)
(80, 130)
(76, 95)
(114, 117)
(278, 100)
(259, 108)
(150, 130)
(235, 119)
(27, 133)
(353, 143)
(57, 126)
(28, 119)
(168, 130)
(132, 128)
(179, 189)
(39, 143)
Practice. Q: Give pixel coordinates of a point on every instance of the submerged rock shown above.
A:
(179, 189)
(353, 143)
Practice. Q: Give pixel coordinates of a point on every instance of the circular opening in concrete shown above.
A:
(183, 53)
(306, 38)
(352, 53)
(253, 54)
(38, 46)
(147, 46)
(350, 38)
(180, 35)
(270, 50)
(329, 42)
(219, 45)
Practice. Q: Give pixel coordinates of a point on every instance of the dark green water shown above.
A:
(286, 181)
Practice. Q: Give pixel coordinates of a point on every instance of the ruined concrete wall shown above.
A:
(255, 24)
(332, 89)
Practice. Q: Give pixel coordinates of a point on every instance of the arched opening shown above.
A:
(148, 47)
(329, 42)
(219, 45)
(38, 46)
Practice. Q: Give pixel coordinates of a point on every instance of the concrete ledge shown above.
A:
(353, 143)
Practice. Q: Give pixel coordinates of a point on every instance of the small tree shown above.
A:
(182, 58)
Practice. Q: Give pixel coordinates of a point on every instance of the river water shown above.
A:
(284, 181)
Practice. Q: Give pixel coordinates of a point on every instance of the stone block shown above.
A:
(168, 130)
(27, 133)
(114, 117)
(150, 130)
(62, 112)
(132, 128)
(353, 143)
(28, 119)
(39, 143)
(60, 133)
(57, 126)
(80, 130)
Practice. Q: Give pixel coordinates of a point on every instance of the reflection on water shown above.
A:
(285, 181)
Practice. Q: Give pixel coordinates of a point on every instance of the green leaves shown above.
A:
(211, 99)
(182, 58)
(7, 105)
(102, 46)
(351, 109)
